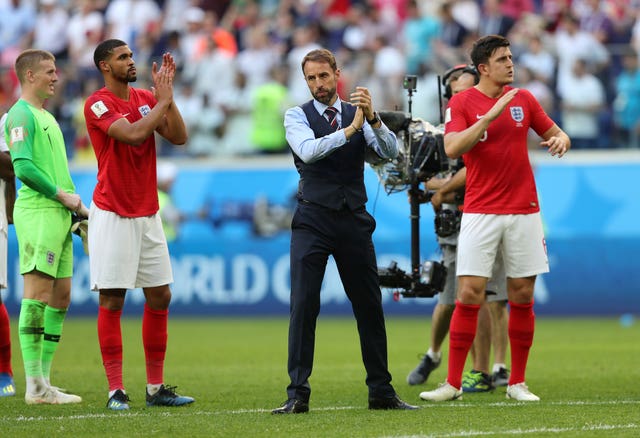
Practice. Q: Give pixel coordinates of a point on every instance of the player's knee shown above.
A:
(470, 295)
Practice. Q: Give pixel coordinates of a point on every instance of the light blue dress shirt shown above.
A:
(304, 143)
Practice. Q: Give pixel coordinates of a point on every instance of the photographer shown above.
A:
(445, 193)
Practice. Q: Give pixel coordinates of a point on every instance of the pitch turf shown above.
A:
(585, 371)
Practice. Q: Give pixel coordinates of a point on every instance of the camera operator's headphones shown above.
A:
(461, 68)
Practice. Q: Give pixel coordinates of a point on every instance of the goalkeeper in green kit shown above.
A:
(42, 219)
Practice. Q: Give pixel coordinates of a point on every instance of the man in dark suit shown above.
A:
(493, 21)
(329, 139)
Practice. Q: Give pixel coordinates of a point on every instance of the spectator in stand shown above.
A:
(595, 21)
(453, 33)
(281, 31)
(126, 19)
(194, 33)
(383, 23)
(427, 106)
(389, 70)
(493, 21)
(448, 48)
(258, 57)
(626, 105)
(582, 99)
(543, 94)
(394, 11)
(538, 60)
(516, 8)
(174, 15)
(213, 63)
(218, 7)
(236, 104)
(50, 31)
(84, 32)
(17, 21)
(358, 30)
(167, 173)
(83, 152)
(270, 101)
(145, 43)
(573, 44)
(540, 90)
(418, 34)
(467, 13)
(171, 42)
(217, 30)
(635, 32)
(334, 22)
(240, 19)
(552, 12)
(203, 120)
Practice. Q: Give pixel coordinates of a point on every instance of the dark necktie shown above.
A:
(331, 115)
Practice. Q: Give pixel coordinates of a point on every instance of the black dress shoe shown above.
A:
(390, 403)
(292, 406)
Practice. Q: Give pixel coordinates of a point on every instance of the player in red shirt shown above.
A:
(127, 244)
(487, 125)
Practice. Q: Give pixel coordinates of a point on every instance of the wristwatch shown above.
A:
(376, 119)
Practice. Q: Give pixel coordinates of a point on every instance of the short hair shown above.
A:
(320, 55)
(454, 73)
(105, 50)
(29, 60)
(485, 46)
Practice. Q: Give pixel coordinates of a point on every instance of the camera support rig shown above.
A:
(422, 156)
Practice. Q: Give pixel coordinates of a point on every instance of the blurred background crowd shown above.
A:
(239, 60)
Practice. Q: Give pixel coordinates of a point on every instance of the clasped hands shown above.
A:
(362, 100)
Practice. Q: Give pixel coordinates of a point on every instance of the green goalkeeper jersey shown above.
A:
(34, 134)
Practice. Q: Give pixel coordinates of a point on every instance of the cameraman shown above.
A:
(447, 193)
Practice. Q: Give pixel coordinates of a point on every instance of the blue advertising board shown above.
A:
(232, 253)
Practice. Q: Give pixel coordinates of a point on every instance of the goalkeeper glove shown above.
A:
(80, 227)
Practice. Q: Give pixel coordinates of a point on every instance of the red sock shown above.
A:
(462, 331)
(521, 327)
(5, 341)
(110, 338)
(154, 339)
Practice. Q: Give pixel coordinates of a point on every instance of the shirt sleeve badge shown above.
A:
(99, 108)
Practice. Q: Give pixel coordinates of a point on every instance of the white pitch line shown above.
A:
(187, 412)
(498, 432)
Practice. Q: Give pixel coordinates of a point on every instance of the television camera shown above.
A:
(421, 156)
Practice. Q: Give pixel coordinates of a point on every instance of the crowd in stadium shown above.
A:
(239, 60)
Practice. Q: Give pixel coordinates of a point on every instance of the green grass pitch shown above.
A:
(585, 371)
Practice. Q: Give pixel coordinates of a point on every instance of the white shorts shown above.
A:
(519, 236)
(127, 253)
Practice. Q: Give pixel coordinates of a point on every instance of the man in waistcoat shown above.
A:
(329, 138)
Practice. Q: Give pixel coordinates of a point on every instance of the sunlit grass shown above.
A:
(585, 371)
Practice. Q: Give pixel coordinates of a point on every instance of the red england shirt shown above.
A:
(126, 174)
(499, 175)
